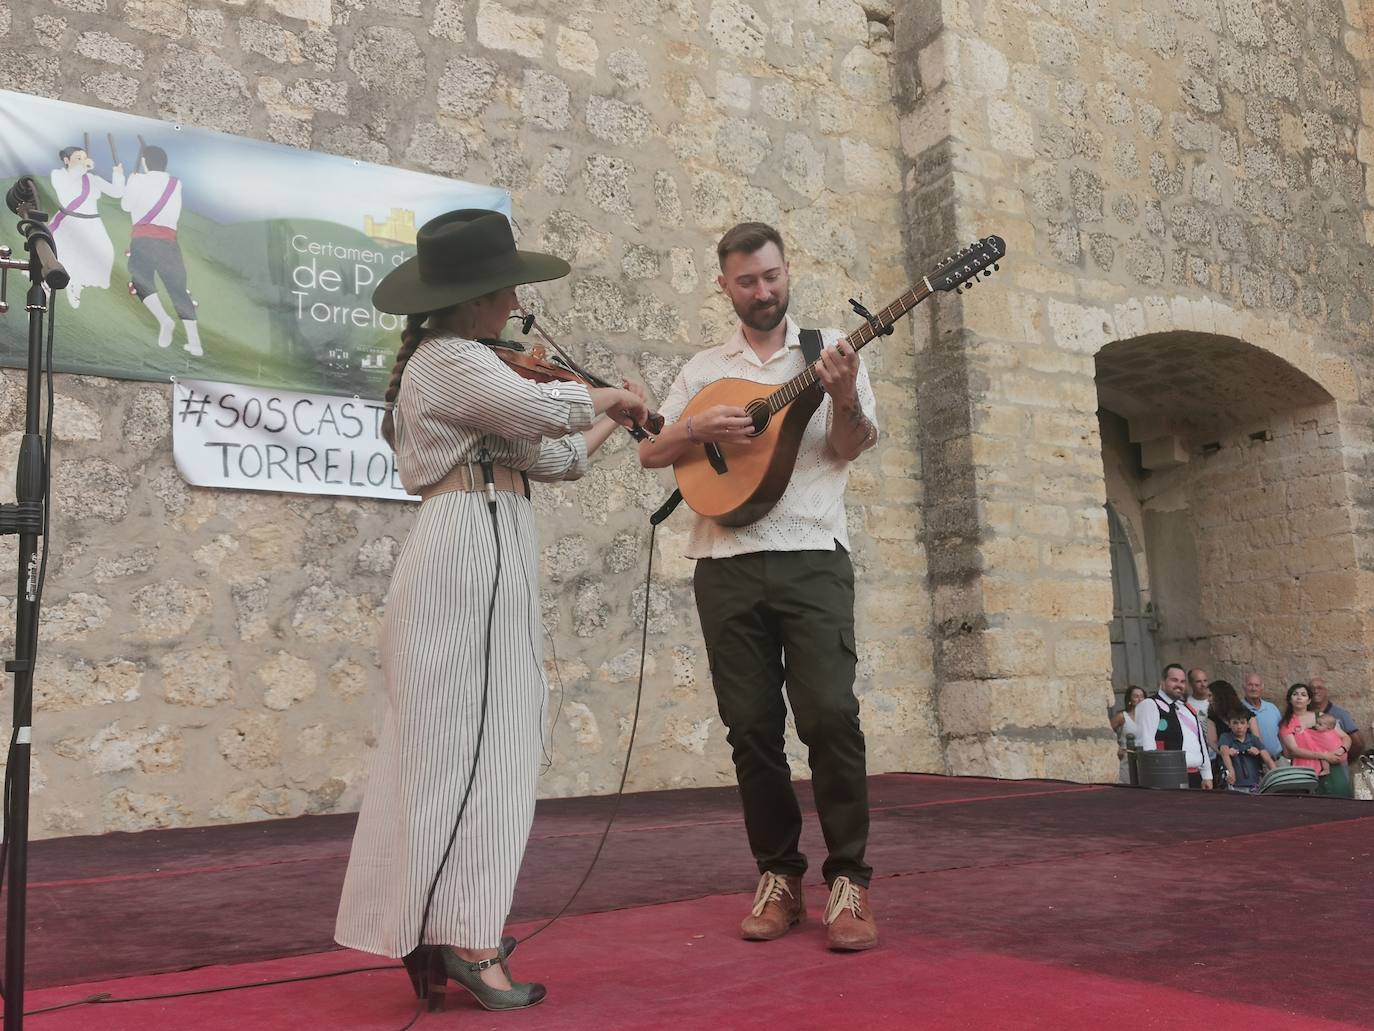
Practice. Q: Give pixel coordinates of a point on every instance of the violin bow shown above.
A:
(529, 321)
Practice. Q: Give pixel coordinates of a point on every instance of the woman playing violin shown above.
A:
(461, 636)
(538, 365)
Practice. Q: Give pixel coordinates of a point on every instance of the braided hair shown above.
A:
(411, 337)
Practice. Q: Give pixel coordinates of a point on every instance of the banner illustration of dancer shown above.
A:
(78, 230)
(153, 198)
(261, 275)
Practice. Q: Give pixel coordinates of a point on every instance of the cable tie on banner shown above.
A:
(24, 736)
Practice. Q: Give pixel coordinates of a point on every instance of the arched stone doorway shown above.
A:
(1134, 656)
(1225, 463)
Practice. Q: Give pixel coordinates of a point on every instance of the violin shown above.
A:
(536, 364)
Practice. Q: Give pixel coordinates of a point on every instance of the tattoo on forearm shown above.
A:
(858, 423)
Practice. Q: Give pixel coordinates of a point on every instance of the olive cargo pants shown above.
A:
(776, 618)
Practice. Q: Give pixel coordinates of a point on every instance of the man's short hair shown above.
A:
(155, 158)
(1164, 675)
(746, 238)
(67, 152)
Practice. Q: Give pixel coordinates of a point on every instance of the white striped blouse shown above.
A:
(457, 398)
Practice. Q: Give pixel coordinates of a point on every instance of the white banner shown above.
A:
(253, 438)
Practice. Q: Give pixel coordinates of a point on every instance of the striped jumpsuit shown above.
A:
(457, 397)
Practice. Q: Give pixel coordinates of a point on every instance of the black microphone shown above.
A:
(24, 193)
(526, 323)
(22, 199)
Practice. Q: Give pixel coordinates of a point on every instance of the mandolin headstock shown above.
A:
(962, 270)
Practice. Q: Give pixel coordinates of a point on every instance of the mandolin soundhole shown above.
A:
(758, 411)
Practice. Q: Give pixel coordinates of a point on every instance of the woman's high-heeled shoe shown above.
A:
(469, 974)
(419, 961)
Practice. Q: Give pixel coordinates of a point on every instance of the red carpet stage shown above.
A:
(1001, 904)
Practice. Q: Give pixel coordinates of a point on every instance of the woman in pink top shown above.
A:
(1309, 746)
(1325, 736)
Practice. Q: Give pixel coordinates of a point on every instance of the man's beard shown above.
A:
(766, 318)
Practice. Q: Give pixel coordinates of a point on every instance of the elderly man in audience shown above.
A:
(1199, 694)
(1322, 703)
(1266, 714)
(1166, 721)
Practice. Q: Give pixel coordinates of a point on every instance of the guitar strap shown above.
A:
(810, 344)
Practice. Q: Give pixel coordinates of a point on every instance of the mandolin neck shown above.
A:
(788, 392)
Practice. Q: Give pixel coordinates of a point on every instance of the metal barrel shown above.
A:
(1162, 768)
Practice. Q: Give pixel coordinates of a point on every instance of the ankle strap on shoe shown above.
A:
(482, 964)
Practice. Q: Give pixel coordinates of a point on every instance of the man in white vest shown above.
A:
(153, 198)
(1165, 720)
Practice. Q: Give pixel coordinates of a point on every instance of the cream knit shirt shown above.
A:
(810, 515)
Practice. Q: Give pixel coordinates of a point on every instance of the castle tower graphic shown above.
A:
(399, 227)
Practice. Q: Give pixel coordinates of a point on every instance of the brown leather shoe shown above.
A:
(849, 923)
(778, 907)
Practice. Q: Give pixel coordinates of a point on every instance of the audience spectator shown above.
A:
(1226, 704)
(1309, 745)
(1199, 694)
(1127, 733)
(1325, 735)
(1242, 753)
(1321, 702)
(1200, 697)
(1266, 714)
(1233, 739)
(1165, 720)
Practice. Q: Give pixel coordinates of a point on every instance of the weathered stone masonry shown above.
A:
(211, 656)
(1193, 172)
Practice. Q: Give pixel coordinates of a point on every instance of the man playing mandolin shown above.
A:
(776, 595)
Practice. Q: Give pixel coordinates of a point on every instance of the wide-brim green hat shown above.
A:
(458, 256)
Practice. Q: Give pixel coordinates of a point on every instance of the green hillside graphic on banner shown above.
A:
(199, 254)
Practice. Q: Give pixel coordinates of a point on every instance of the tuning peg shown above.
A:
(995, 266)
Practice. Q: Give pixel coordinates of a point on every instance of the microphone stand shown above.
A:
(27, 518)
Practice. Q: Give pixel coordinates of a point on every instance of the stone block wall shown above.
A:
(1192, 165)
(1197, 167)
(211, 656)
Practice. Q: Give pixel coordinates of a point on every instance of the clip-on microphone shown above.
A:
(526, 323)
(484, 459)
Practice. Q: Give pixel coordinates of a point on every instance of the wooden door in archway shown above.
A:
(1134, 658)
